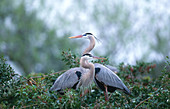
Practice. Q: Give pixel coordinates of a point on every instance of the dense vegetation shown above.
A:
(33, 33)
(33, 90)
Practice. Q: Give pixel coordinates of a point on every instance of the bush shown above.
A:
(32, 91)
(8, 84)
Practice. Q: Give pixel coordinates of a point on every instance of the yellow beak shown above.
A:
(79, 36)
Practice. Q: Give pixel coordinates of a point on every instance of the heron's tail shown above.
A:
(52, 88)
(126, 91)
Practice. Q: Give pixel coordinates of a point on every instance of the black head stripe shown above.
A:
(87, 54)
(89, 34)
(85, 34)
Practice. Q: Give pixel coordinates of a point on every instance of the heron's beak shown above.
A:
(95, 57)
(79, 36)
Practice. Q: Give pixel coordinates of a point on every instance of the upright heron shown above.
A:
(105, 78)
(77, 77)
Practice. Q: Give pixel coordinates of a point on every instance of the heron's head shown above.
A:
(84, 35)
(90, 57)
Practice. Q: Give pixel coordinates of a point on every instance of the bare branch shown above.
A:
(49, 74)
(143, 102)
(28, 106)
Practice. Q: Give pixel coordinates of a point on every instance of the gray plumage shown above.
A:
(109, 78)
(76, 77)
(105, 76)
(67, 79)
(70, 78)
(114, 69)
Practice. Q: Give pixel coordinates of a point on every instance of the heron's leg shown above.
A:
(106, 93)
(85, 92)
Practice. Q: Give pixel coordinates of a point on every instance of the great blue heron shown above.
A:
(92, 38)
(105, 78)
(77, 77)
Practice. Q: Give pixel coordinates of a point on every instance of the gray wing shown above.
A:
(114, 69)
(67, 79)
(106, 76)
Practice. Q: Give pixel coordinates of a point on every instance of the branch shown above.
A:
(28, 106)
(143, 102)
(43, 75)
(49, 74)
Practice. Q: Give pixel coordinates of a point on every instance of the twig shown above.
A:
(33, 81)
(28, 106)
(117, 104)
(25, 78)
(143, 102)
(49, 74)
(43, 75)
(110, 95)
(131, 77)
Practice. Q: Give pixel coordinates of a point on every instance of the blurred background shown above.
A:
(33, 33)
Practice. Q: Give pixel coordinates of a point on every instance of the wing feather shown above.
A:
(108, 77)
(67, 79)
(114, 69)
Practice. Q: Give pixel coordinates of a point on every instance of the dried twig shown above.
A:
(43, 75)
(33, 81)
(143, 102)
(110, 95)
(49, 74)
(117, 104)
(28, 106)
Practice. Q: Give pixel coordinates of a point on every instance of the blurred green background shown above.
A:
(33, 33)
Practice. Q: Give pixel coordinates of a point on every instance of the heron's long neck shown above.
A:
(85, 64)
(91, 46)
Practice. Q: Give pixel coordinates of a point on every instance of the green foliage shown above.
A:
(8, 83)
(33, 91)
(70, 59)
